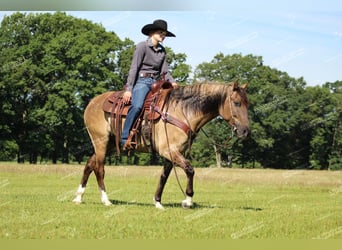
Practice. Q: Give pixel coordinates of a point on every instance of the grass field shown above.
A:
(35, 203)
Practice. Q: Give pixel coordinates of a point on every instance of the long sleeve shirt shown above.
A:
(147, 60)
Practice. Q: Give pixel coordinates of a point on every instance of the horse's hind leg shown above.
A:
(89, 167)
(98, 127)
(96, 164)
(100, 173)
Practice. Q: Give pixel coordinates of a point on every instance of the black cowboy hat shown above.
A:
(156, 25)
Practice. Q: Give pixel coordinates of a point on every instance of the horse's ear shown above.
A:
(244, 86)
(235, 85)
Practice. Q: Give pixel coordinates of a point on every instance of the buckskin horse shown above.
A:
(193, 105)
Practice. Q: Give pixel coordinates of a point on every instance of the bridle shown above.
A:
(230, 141)
(190, 134)
(232, 121)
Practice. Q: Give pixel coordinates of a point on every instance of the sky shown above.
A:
(302, 38)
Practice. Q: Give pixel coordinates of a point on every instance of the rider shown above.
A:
(148, 63)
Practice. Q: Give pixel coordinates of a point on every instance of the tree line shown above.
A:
(51, 65)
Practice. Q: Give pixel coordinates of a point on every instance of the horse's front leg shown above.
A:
(179, 160)
(162, 181)
(189, 193)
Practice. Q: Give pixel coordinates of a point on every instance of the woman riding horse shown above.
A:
(149, 62)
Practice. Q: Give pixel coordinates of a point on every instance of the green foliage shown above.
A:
(53, 64)
(335, 157)
(180, 70)
(8, 150)
(292, 126)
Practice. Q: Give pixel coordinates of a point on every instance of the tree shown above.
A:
(180, 70)
(53, 65)
(292, 126)
(335, 157)
(318, 121)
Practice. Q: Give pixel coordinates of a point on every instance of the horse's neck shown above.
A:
(198, 122)
(207, 101)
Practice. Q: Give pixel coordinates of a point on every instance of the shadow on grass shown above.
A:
(251, 208)
(195, 205)
(166, 205)
(177, 205)
(130, 203)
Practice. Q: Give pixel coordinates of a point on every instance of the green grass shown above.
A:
(35, 203)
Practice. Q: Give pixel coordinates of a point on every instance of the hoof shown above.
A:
(77, 200)
(158, 204)
(187, 203)
(104, 198)
(107, 203)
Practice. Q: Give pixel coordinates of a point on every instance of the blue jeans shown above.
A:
(139, 92)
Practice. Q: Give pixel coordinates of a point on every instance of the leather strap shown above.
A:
(166, 117)
(147, 75)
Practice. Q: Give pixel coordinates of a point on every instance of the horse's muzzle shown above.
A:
(241, 132)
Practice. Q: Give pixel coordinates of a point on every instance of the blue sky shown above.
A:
(303, 38)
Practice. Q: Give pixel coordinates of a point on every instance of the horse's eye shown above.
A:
(237, 104)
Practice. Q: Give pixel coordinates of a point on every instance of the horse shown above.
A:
(193, 106)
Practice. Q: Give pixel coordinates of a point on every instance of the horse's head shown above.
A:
(234, 109)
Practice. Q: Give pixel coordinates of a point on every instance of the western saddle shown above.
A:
(152, 110)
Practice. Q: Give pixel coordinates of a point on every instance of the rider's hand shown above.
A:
(127, 96)
(174, 85)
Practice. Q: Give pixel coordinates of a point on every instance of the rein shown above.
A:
(167, 118)
(171, 158)
(231, 114)
(185, 127)
(225, 143)
(233, 128)
(228, 141)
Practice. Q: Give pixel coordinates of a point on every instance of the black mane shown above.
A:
(199, 98)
